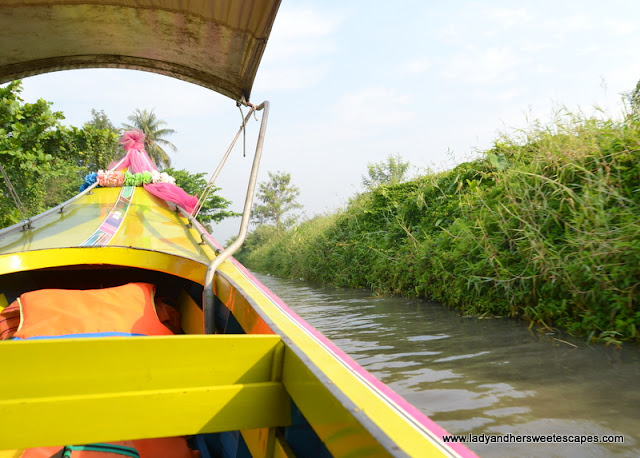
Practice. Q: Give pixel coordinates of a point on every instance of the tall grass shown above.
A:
(544, 226)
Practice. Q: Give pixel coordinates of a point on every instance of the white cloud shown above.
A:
(290, 77)
(450, 31)
(300, 49)
(623, 78)
(582, 23)
(578, 23)
(363, 111)
(535, 47)
(589, 51)
(622, 27)
(546, 69)
(508, 18)
(305, 22)
(418, 65)
(484, 66)
(300, 32)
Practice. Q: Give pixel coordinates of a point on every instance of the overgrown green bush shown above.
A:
(44, 160)
(545, 226)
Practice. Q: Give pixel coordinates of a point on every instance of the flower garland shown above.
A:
(162, 177)
(141, 172)
(89, 180)
(116, 178)
(110, 178)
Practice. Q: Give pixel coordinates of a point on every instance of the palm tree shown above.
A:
(152, 127)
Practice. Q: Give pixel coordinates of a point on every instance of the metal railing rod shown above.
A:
(204, 235)
(26, 224)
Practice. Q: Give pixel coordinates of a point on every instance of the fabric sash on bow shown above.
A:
(138, 161)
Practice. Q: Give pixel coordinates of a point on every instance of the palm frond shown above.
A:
(152, 127)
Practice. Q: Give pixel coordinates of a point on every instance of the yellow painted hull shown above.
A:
(266, 373)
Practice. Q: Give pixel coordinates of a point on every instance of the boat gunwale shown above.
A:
(146, 260)
(419, 421)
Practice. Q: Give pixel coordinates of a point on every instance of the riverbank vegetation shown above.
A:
(543, 226)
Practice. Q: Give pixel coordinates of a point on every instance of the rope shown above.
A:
(207, 189)
(204, 196)
(14, 195)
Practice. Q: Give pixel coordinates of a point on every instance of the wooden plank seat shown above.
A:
(74, 391)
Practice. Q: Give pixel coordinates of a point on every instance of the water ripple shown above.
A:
(482, 376)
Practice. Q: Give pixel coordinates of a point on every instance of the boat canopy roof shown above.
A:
(216, 44)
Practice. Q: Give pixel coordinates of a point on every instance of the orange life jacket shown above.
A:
(119, 311)
(165, 447)
(114, 449)
(9, 320)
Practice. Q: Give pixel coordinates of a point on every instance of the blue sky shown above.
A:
(352, 82)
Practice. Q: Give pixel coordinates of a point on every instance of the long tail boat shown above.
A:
(240, 374)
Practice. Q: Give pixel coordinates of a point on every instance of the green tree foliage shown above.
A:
(277, 199)
(633, 98)
(100, 120)
(36, 152)
(214, 208)
(259, 237)
(46, 161)
(101, 137)
(96, 143)
(393, 170)
(155, 133)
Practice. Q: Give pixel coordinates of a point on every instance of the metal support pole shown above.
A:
(208, 295)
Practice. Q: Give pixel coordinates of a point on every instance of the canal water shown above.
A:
(482, 376)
